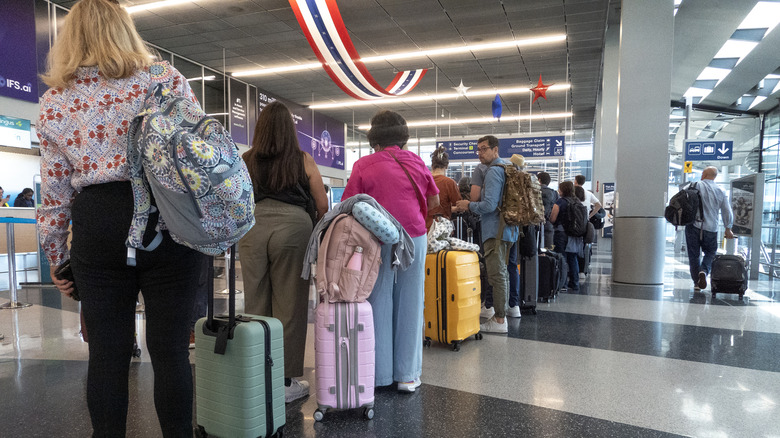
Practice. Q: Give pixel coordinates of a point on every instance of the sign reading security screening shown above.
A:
(708, 150)
(528, 147)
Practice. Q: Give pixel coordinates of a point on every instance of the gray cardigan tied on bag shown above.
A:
(403, 251)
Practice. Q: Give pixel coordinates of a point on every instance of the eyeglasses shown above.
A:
(483, 149)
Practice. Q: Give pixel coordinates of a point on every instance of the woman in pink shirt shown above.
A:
(99, 73)
(400, 182)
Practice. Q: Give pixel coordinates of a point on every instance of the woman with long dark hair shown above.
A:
(99, 72)
(568, 245)
(289, 196)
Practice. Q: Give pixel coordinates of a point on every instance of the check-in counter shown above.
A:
(24, 219)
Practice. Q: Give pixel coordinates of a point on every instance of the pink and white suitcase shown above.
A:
(344, 357)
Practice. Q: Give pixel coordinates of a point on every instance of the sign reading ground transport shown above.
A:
(707, 150)
(528, 147)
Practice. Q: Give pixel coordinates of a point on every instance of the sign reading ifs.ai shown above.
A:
(18, 69)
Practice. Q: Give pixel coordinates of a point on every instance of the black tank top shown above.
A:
(298, 194)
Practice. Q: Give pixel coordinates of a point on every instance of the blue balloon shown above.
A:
(497, 107)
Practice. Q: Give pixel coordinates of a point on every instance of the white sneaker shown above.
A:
(296, 390)
(487, 312)
(493, 326)
(513, 312)
(409, 386)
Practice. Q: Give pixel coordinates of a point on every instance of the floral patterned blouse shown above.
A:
(83, 130)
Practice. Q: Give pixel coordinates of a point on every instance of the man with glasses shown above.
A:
(496, 247)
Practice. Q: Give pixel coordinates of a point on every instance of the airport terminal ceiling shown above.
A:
(245, 35)
(265, 33)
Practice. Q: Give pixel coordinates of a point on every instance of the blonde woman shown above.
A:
(99, 72)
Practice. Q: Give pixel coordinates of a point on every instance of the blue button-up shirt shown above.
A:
(490, 198)
(714, 199)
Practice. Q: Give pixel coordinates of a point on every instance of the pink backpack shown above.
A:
(335, 282)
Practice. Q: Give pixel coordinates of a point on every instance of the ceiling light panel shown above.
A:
(430, 97)
(155, 5)
(476, 120)
(441, 51)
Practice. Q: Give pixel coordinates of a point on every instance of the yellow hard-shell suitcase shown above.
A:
(452, 302)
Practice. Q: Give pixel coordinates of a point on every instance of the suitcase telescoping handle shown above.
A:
(223, 332)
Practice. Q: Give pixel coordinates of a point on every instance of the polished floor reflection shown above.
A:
(612, 360)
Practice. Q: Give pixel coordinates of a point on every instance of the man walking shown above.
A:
(702, 235)
(496, 246)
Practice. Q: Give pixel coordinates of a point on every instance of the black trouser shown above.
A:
(109, 288)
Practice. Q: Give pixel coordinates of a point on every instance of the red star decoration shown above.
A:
(540, 90)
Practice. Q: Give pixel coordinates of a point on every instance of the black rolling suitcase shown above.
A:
(729, 275)
(528, 247)
(553, 271)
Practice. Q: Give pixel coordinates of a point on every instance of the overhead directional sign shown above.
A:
(708, 150)
(528, 147)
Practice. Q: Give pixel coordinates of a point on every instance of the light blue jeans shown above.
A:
(397, 302)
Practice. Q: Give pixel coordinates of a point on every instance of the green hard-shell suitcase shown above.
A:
(239, 373)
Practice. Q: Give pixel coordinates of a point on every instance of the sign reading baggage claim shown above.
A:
(528, 147)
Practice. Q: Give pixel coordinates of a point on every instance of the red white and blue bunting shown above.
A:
(323, 26)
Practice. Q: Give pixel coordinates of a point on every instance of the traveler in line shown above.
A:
(487, 310)
(591, 202)
(549, 196)
(85, 179)
(285, 179)
(496, 246)
(448, 188)
(24, 199)
(702, 235)
(397, 297)
(571, 246)
(4, 201)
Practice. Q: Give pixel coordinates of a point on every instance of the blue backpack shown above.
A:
(194, 171)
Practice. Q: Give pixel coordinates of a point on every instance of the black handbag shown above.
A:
(64, 272)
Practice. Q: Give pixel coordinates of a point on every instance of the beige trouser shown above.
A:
(272, 255)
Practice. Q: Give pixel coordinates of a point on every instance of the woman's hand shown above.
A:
(65, 286)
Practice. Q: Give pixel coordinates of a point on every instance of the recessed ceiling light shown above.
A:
(443, 96)
(205, 78)
(411, 55)
(155, 5)
(476, 120)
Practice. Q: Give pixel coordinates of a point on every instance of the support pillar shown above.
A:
(644, 88)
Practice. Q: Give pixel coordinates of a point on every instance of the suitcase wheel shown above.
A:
(318, 414)
(478, 336)
(427, 342)
(200, 432)
(368, 413)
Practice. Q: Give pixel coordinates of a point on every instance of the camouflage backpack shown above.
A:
(522, 201)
